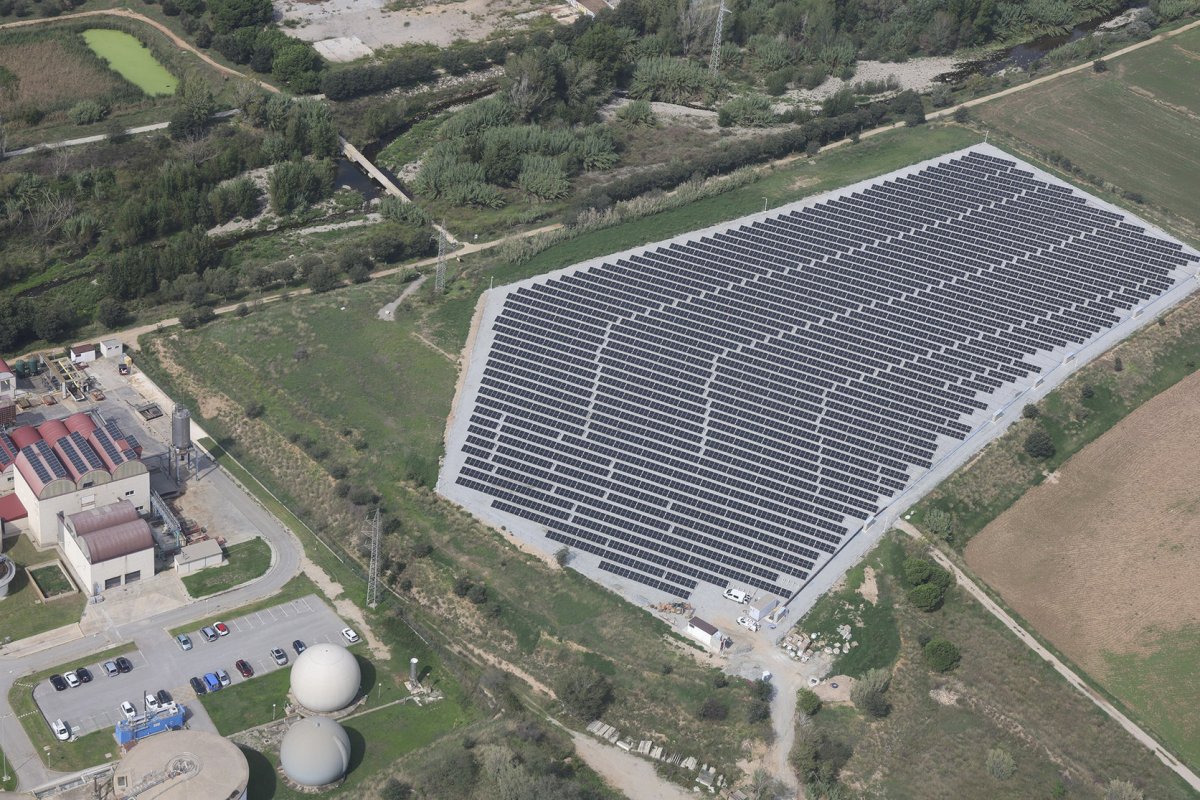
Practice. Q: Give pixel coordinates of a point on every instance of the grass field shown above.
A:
(873, 624)
(934, 742)
(1063, 553)
(86, 751)
(1135, 126)
(51, 580)
(22, 614)
(247, 561)
(132, 60)
(8, 777)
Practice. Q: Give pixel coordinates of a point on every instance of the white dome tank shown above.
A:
(315, 751)
(325, 678)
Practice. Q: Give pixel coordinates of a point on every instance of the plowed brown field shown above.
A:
(1109, 553)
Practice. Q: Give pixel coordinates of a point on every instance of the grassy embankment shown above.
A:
(23, 614)
(934, 741)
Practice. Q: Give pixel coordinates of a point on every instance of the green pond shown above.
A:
(132, 60)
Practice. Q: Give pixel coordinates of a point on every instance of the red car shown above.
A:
(243, 666)
(222, 629)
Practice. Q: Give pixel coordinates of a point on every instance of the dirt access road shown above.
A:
(1145, 739)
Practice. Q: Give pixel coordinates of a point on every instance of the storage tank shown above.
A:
(326, 678)
(181, 429)
(315, 752)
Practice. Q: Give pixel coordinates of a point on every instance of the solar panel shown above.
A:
(732, 407)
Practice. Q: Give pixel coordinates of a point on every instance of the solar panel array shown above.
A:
(114, 430)
(727, 409)
(104, 439)
(79, 453)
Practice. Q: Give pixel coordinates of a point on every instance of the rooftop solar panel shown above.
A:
(730, 407)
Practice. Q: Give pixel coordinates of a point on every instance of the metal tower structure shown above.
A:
(373, 527)
(439, 281)
(714, 61)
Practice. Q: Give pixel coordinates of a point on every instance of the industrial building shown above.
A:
(108, 547)
(182, 765)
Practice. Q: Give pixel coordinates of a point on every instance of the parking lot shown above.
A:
(162, 664)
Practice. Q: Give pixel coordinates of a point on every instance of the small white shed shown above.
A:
(760, 608)
(83, 354)
(705, 632)
(195, 557)
(111, 347)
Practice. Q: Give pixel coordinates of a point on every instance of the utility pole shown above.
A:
(714, 60)
(373, 527)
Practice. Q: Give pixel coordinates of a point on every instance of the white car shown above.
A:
(737, 595)
(71, 678)
(746, 622)
(61, 731)
(349, 635)
(128, 710)
(152, 703)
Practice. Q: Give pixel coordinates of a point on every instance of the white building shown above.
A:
(111, 347)
(705, 632)
(761, 608)
(108, 547)
(195, 557)
(63, 467)
(8, 383)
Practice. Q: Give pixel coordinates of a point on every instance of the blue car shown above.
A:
(212, 682)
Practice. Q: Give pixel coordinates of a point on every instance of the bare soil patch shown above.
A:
(355, 25)
(1109, 554)
(49, 75)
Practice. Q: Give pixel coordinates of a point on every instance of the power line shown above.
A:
(439, 281)
(373, 527)
(714, 60)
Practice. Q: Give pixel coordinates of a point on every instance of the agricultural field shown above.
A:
(131, 60)
(1103, 561)
(934, 739)
(1133, 126)
(51, 71)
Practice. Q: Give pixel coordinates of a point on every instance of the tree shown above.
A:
(585, 693)
(713, 709)
(563, 556)
(228, 15)
(1030, 411)
(529, 82)
(940, 523)
(322, 278)
(757, 711)
(1118, 364)
(917, 570)
(110, 313)
(926, 597)
(1122, 790)
(762, 690)
(763, 786)
(53, 321)
(808, 702)
(1099, 65)
(193, 115)
(941, 655)
(867, 694)
(962, 115)
(1000, 764)
(1039, 445)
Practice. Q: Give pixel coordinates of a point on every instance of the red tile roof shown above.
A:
(11, 508)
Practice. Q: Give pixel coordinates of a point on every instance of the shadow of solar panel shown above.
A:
(729, 409)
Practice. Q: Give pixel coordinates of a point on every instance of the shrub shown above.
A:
(1030, 411)
(543, 177)
(1118, 364)
(362, 496)
(637, 113)
(254, 409)
(713, 709)
(672, 80)
(757, 711)
(941, 655)
(477, 594)
(87, 112)
(762, 690)
(720, 680)
(1122, 790)
(867, 694)
(1000, 764)
(962, 115)
(562, 556)
(194, 317)
(808, 702)
(110, 313)
(927, 597)
(1039, 445)
(1087, 391)
(585, 693)
(338, 471)
(940, 523)
(752, 110)
(1099, 65)
(462, 585)
(776, 83)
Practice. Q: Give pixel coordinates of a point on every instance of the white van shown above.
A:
(737, 595)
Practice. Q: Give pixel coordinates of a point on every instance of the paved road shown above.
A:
(100, 137)
(17, 661)
(1148, 741)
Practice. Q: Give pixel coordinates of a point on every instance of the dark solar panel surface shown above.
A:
(728, 409)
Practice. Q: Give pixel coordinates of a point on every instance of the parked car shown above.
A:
(185, 641)
(124, 664)
(223, 677)
(746, 622)
(349, 635)
(299, 646)
(243, 666)
(164, 697)
(737, 595)
(72, 679)
(128, 710)
(84, 674)
(61, 731)
(280, 657)
(110, 669)
(221, 628)
(58, 683)
(197, 686)
(209, 634)
(152, 703)
(211, 681)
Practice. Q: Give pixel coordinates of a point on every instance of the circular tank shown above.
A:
(315, 752)
(325, 678)
(181, 428)
(8, 571)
